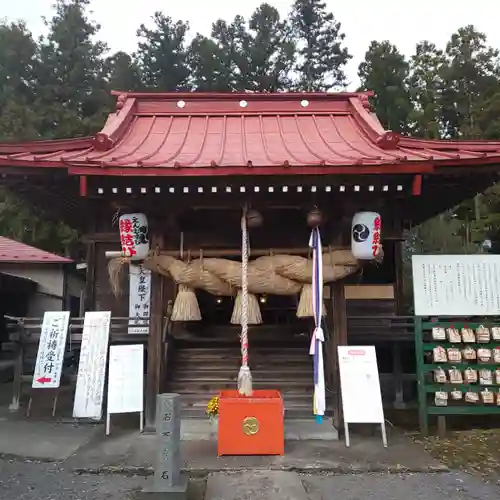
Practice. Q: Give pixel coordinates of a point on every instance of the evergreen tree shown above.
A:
(426, 87)
(72, 93)
(256, 57)
(163, 54)
(211, 65)
(385, 71)
(18, 67)
(321, 54)
(470, 75)
(122, 72)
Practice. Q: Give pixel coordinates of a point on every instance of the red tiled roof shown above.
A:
(14, 251)
(221, 134)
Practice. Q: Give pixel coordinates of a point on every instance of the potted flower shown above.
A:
(212, 412)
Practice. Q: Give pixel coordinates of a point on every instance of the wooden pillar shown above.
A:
(339, 336)
(155, 344)
(89, 300)
(399, 278)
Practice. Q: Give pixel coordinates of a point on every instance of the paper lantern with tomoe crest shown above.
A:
(365, 235)
(134, 235)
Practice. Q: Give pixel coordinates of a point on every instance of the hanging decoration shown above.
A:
(317, 338)
(244, 376)
(252, 219)
(305, 308)
(134, 236)
(366, 235)
(186, 307)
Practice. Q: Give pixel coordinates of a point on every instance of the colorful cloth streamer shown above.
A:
(317, 338)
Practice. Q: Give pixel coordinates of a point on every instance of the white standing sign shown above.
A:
(360, 387)
(456, 285)
(125, 381)
(92, 365)
(139, 298)
(50, 357)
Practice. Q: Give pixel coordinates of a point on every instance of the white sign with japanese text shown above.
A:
(456, 285)
(92, 365)
(50, 357)
(126, 378)
(360, 385)
(139, 299)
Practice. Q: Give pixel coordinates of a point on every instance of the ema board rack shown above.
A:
(458, 367)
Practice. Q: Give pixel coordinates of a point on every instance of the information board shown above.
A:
(126, 379)
(50, 357)
(456, 285)
(92, 365)
(360, 385)
(139, 298)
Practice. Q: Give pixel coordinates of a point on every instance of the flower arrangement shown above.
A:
(213, 408)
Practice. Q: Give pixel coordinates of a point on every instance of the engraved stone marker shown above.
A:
(168, 482)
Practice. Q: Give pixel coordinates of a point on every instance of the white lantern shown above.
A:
(365, 235)
(134, 236)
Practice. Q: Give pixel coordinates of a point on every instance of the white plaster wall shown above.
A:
(50, 277)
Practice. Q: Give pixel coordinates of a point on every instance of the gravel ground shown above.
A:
(35, 481)
(26, 480)
(456, 486)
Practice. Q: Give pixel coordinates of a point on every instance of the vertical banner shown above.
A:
(50, 357)
(318, 337)
(92, 365)
(139, 299)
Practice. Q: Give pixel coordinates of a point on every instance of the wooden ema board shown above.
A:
(92, 365)
(125, 381)
(426, 366)
(360, 388)
(456, 285)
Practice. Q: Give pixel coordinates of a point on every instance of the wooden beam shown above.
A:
(194, 254)
(155, 344)
(90, 277)
(339, 335)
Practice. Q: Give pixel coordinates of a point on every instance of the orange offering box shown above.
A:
(251, 425)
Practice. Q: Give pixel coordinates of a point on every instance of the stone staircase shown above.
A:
(200, 372)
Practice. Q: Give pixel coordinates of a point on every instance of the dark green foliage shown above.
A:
(385, 71)
(59, 86)
(321, 54)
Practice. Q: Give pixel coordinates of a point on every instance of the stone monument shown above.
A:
(168, 483)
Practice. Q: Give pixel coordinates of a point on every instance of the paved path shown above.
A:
(27, 480)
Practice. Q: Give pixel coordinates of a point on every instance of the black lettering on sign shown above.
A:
(167, 417)
(164, 474)
(166, 433)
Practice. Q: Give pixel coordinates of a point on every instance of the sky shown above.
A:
(362, 20)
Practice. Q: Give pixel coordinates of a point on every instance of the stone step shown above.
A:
(213, 387)
(296, 406)
(231, 372)
(215, 379)
(224, 354)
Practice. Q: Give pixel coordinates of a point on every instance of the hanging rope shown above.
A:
(244, 376)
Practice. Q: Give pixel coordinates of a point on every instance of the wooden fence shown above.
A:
(24, 336)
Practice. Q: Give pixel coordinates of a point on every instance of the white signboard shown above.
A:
(92, 365)
(50, 357)
(456, 285)
(139, 299)
(360, 385)
(126, 379)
